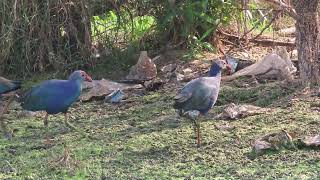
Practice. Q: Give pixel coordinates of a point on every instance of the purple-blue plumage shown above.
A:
(54, 96)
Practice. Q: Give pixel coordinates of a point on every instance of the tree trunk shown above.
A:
(78, 30)
(307, 29)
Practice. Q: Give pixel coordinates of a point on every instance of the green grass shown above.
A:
(144, 139)
(110, 25)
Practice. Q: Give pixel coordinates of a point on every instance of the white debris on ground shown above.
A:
(233, 111)
(276, 64)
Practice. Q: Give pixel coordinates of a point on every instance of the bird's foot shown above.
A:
(48, 141)
(69, 125)
(193, 114)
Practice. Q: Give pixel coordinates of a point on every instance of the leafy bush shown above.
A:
(57, 36)
(43, 35)
(258, 22)
(110, 25)
(192, 21)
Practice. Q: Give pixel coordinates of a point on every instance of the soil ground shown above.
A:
(144, 139)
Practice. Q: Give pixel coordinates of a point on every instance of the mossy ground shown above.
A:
(144, 139)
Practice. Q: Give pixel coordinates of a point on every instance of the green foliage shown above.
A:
(190, 18)
(197, 47)
(59, 37)
(144, 139)
(43, 35)
(193, 21)
(263, 95)
(110, 25)
(122, 34)
(257, 22)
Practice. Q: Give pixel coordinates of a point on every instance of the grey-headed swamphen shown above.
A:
(55, 96)
(199, 95)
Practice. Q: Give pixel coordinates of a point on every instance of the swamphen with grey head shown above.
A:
(55, 96)
(199, 95)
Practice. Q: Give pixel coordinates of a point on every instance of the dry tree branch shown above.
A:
(267, 26)
(265, 42)
(117, 9)
(15, 9)
(254, 27)
(286, 7)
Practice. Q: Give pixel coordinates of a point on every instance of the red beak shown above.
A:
(88, 78)
(229, 68)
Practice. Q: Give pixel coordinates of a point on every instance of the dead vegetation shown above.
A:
(259, 128)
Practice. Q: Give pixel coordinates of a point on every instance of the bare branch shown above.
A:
(286, 7)
(264, 42)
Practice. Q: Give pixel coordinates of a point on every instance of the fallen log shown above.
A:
(264, 42)
(103, 87)
(286, 7)
(3, 126)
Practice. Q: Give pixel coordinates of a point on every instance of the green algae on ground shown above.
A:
(144, 139)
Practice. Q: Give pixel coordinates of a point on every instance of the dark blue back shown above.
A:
(53, 96)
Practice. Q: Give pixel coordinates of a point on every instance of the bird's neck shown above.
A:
(77, 82)
(215, 71)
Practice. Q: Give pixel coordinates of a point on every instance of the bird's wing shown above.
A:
(191, 95)
(199, 94)
(186, 92)
(182, 97)
(202, 95)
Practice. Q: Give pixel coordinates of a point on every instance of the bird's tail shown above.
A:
(17, 84)
(12, 85)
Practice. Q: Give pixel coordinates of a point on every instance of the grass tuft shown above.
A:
(145, 139)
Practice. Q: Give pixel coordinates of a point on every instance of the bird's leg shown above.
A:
(47, 141)
(2, 123)
(67, 123)
(194, 117)
(197, 122)
(198, 132)
(6, 107)
(73, 127)
(66, 118)
(45, 121)
(195, 127)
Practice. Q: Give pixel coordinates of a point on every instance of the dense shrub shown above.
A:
(59, 35)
